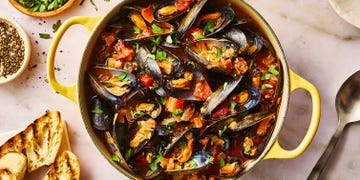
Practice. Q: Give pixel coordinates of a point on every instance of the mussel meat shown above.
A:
(218, 55)
(171, 9)
(111, 84)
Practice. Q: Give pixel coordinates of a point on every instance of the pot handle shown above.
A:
(276, 150)
(68, 91)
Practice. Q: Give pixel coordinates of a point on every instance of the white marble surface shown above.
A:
(319, 45)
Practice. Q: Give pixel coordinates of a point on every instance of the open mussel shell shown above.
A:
(102, 114)
(187, 135)
(111, 84)
(137, 27)
(149, 154)
(218, 97)
(220, 19)
(250, 120)
(192, 85)
(197, 162)
(168, 10)
(190, 17)
(140, 105)
(208, 52)
(146, 62)
(232, 166)
(141, 131)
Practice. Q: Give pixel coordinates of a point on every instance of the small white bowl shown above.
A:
(27, 50)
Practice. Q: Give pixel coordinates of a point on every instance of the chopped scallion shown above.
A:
(97, 111)
(156, 29)
(137, 30)
(222, 162)
(272, 70)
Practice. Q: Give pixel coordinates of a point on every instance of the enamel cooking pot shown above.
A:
(291, 81)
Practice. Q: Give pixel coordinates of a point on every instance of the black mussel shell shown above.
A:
(111, 84)
(102, 114)
(189, 18)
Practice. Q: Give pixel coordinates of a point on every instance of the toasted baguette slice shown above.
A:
(66, 166)
(12, 166)
(39, 142)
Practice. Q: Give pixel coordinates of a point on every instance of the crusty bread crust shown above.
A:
(66, 166)
(39, 142)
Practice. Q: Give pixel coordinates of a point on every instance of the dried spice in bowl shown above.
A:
(15, 50)
(11, 50)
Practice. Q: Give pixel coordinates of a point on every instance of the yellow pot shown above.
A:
(291, 81)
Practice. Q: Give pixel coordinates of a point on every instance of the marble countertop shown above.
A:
(319, 46)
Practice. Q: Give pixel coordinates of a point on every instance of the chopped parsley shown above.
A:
(251, 63)
(178, 167)
(213, 138)
(169, 39)
(156, 41)
(108, 85)
(156, 29)
(56, 25)
(97, 111)
(192, 164)
(272, 70)
(221, 132)
(153, 166)
(160, 55)
(44, 35)
(197, 35)
(137, 30)
(115, 158)
(163, 100)
(136, 46)
(222, 162)
(218, 54)
(152, 56)
(265, 76)
(233, 104)
(122, 77)
(177, 111)
(247, 148)
(209, 27)
(263, 87)
(128, 154)
(169, 125)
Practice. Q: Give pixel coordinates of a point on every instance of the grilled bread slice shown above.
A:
(66, 166)
(12, 166)
(39, 142)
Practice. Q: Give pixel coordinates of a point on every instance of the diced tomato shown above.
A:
(109, 38)
(173, 104)
(146, 80)
(192, 30)
(204, 140)
(227, 66)
(147, 13)
(221, 111)
(123, 53)
(202, 90)
(182, 5)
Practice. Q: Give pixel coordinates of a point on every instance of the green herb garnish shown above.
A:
(152, 56)
(177, 111)
(251, 63)
(222, 162)
(56, 25)
(209, 27)
(247, 148)
(218, 54)
(192, 164)
(263, 87)
(97, 111)
(233, 104)
(156, 41)
(160, 55)
(169, 39)
(169, 125)
(265, 76)
(128, 154)
(213, 139)
(137, 30)
(44, 35)
(163, 100)
(178, 167)
(153, 166)
(272, 70)
(122, 77)
(136, 46)
(221, 132)
(197, 35)
(156, 29)
(115, 158)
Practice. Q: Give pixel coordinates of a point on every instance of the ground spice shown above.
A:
(11, 50)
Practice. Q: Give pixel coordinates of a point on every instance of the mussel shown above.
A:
(140, 25)
(249, 42)
(189, 18)
(212, 23)
(102, 114)
(250, 120)
(111, 84)
(195, 163)
(139, 104)
(218, 55)
(171, 9)
(141, 131)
